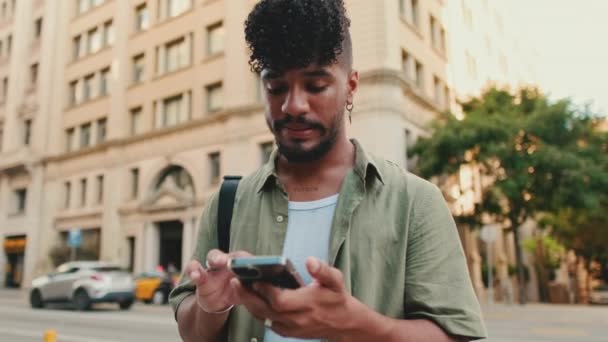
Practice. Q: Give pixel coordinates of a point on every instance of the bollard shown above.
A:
(50, 336)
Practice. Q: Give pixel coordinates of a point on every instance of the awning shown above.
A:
(14, 245)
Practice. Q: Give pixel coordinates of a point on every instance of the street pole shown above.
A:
(73, 253)
(490, 277)
(520, 266)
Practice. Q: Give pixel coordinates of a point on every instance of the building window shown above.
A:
(83, 192)
(4, 88)
(407, 65)
(174, 111)
(85, 135)
(88, 87)
(83, 5)
(136, 121)
(27, 132)
(108, 33)
(9, 45)
(101, 130)
(214, 167)
(467, 15)
(93, 40)
(142, 19)
(4, 10)
(440, 92)
(104, 81)
(138, 68)
(76, 50)
(134, 182)
(409, 10)
(265, 151)
(215, 97)
(1, 137)
(38, 28)
(176, 56)
(99, 189)
(173, 8)
(437, 34)
(69, 139)
(74, 93)
(215, 39)
(419, 75)
(34, 74)
(67, 192)
(20, 196)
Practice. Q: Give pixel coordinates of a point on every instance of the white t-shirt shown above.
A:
(308, 232)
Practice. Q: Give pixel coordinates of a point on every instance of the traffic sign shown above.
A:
(74, 238)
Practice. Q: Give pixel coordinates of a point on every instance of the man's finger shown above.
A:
(196, 273)
(216, 260)
(254, 303)
(324, 274)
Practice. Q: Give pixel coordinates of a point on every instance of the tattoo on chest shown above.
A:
(306, 189)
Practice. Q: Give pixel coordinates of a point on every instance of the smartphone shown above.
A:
(272, 269)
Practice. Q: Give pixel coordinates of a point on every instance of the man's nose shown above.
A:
(296, 103)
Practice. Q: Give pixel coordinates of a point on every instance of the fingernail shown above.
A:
(314, 265)
(215, 257)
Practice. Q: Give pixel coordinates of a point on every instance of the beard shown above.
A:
(295, 152)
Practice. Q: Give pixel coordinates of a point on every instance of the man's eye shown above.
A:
(276, 90)
(316, 89)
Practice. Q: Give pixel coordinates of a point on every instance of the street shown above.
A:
(546, 322)
(150, 323)
(106, 323)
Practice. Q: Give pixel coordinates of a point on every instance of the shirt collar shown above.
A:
(364, 167)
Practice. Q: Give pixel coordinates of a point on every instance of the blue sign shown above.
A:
(75, 238)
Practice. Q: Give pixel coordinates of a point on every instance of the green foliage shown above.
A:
(545, 161)
(551, 249)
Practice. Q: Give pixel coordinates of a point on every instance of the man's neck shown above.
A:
(318, 179)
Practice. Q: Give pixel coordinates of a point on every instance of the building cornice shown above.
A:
(217, 117)
(396, 77)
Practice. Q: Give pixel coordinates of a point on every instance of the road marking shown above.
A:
(61, 337)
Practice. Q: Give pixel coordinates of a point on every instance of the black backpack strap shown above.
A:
(224, 212)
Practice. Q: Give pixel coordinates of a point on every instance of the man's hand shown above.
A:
(323, 309)
(213, 293)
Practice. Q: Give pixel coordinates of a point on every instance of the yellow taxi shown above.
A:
(154, 287)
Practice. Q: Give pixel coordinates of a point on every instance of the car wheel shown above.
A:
(36, 299)
(125, 305)
(82, 302)
(159, 297)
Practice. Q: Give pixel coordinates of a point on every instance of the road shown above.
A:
(546, 322)
(20, 323)
(150, 323)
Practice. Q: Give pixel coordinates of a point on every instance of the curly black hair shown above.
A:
(290, 34)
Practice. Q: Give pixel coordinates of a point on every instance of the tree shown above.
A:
(546, 161)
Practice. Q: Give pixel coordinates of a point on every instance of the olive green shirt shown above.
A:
(393, 237)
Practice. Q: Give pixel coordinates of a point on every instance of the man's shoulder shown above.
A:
(398, 178)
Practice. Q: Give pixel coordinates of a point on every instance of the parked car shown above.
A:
(599, 295)
(84, 283)
(154, 287)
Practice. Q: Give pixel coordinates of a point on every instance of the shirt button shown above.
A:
(280, 218)
(253, 339)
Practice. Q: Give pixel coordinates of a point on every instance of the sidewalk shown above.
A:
(546, 322)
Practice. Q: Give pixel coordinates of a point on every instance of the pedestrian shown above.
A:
(376, 245)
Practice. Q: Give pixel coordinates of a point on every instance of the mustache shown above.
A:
(281, 123)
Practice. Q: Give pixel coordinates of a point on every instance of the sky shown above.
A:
(570, 38)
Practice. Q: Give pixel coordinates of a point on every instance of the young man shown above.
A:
(377, 246)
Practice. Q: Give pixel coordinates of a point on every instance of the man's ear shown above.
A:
(353, 83)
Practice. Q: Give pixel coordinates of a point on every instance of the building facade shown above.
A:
(126, 114)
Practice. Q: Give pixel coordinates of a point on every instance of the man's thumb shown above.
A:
(324, 274)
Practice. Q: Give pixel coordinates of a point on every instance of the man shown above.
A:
(377, 246)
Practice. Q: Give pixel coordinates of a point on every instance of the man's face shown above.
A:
(305, 109)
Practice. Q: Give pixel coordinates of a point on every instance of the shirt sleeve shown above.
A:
(437, 282)
(206, 240)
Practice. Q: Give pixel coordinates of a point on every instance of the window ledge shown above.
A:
(412, 27)
(90, 55)
(87, 102)
(212, 57)
(170, 73)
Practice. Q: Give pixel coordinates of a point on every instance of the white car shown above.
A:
(84, 283)
(599, 295)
